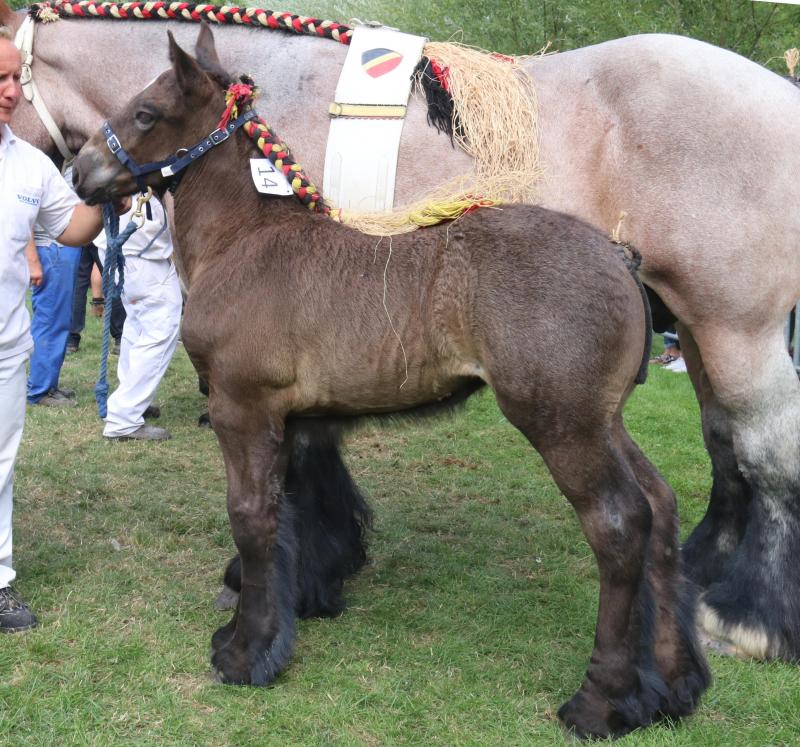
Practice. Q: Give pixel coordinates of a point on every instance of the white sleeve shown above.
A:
(58, 201)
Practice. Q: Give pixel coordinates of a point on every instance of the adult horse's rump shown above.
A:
(353, 327)
(697, 145)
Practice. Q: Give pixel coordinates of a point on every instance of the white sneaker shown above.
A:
(677, 366)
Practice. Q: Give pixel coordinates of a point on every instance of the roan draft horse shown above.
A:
(340, 324)
(697, 145)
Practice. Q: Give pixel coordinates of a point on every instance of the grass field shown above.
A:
(472, 624)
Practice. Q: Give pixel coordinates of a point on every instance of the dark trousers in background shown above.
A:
(89, 258)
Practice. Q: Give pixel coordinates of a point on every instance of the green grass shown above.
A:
(472, 624)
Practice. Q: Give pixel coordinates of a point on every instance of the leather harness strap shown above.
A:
(24, 42)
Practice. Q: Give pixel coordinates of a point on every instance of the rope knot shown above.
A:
(237, 95)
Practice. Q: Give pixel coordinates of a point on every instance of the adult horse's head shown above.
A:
(137, 148)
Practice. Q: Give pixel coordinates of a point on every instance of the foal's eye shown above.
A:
(144, 118)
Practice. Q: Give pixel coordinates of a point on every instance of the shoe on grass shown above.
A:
(115, 347)
(677, 366)
(144, 433)
(15, 615)
(68, 393)
(72, 347)
(55, 398)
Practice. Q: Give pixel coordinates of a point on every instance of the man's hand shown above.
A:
(122, 205)
(34, 265)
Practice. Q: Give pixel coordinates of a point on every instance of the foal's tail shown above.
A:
(633, 259)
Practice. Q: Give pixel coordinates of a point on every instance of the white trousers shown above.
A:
(152, 300)
(13, 379)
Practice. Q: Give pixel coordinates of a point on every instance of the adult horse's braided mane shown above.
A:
(193, 13)
(485, 103)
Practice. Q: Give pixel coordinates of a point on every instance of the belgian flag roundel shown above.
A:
(377, 62)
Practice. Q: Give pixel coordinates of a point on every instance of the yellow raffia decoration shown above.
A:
(495, 101)
(446, 203)
(792, 57)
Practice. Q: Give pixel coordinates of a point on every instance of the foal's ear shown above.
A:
(187, 72)
(204, 50)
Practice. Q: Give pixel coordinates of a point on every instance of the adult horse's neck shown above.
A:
(218, 191)
(87, 69)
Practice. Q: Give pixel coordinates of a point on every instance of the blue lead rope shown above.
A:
(115, 262)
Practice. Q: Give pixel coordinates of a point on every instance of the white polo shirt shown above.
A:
(31, 190)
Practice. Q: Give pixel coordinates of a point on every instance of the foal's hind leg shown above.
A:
(679, 658)
(257, 644)
(622, 689)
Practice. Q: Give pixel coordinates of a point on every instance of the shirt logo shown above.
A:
(28, 200)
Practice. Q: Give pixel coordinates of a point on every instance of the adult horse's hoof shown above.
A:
(590, 714)
(227, 599)
(737, 637)
(719, 647)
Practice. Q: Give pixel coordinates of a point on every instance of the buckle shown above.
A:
(113, 144)
(219, 136)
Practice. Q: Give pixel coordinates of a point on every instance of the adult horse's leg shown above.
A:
(715, 539)
(755, 602)
(678, 655)
(622, 689)
(257, 643)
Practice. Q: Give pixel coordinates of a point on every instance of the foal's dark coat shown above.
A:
(534, 303)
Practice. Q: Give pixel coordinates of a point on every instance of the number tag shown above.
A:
(268, 179)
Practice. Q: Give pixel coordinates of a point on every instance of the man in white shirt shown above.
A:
(152, 298)
(31, 190)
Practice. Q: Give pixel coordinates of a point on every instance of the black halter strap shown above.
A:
(173, 165)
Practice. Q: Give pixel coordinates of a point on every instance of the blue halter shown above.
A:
(176, 163)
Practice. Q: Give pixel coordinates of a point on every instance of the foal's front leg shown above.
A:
(257, 643)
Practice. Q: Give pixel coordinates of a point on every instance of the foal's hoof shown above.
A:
(590, 714)
(250, 665)
(232, 667)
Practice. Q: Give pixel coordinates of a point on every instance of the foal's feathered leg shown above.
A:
(622, 689)
(258, 642)
(679, 658)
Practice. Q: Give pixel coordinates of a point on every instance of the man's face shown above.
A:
(10, 89)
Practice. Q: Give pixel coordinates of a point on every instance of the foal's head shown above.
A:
(176, 111)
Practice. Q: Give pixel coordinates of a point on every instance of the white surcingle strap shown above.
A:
(367, 118)
(24, 42)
